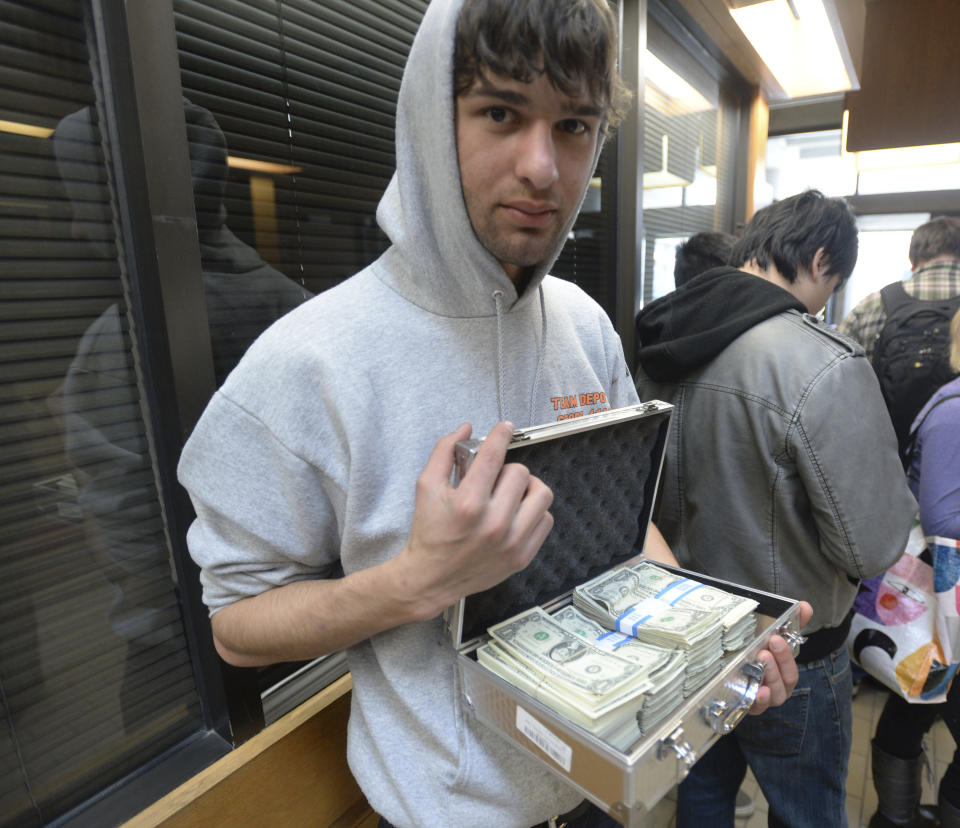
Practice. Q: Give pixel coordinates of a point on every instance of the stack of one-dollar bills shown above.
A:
(634, 642)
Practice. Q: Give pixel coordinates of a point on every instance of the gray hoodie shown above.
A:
(305, 462)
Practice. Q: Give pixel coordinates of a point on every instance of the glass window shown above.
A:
(909, 179)
(304, 94)
(806, 160)
(95, 678)
(289, 109)
(589, 257)
(689, 147)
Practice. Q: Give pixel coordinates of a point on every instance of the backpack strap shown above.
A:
(894, 296)
(911, 445)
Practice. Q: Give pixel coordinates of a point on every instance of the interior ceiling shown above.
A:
(713, 16)
(902, 54)
(910, 76)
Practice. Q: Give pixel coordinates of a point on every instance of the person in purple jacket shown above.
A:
(933, 473)
(934, 470)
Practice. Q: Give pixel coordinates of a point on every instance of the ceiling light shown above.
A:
(25, 129)
(928, 155)
(925, 156)
(255, 165)
(667, 92)
(663, 177)
(797, 42)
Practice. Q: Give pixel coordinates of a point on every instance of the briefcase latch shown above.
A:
(686, 755)
(793, 639)
(723, 716)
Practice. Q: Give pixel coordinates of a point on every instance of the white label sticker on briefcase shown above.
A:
(555, 748)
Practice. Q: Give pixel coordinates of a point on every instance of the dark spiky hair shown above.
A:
(788, 234)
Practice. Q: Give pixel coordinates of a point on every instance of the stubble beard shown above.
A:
(516, 246)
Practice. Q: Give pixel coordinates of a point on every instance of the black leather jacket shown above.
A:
(782, 471)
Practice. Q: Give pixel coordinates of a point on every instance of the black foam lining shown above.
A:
(604, 481)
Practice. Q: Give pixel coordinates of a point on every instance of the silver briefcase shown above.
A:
(604, 470)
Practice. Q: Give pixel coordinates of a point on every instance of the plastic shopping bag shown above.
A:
(906, 627)
(945, 553)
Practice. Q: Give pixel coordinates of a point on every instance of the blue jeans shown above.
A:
(798, 753)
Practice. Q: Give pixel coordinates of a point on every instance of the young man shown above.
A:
(314, 531)
(782, 473)
(935, 274)
(701, 252)
(913, 359)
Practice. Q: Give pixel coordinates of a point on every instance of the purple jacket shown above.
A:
(934, 474)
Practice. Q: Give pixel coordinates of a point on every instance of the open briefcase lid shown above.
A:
(604, 470)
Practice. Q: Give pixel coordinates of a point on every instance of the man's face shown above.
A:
(526, 152)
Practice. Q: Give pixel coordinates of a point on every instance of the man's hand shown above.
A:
(469, 538)
(655, 547)
(462, 540)
(780, 675)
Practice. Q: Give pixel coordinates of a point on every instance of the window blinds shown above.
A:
(94, 673)
(311, 87)
(303, 94)
(689, 155)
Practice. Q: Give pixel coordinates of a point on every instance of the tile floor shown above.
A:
(861, 797)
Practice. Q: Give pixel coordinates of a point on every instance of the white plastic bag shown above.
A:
(906, 627)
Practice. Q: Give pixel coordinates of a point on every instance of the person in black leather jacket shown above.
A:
(781, 473)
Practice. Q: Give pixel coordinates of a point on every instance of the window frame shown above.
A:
(137, 48)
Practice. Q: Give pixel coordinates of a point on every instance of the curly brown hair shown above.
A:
(573, 42)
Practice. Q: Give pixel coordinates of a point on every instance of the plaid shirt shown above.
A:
(940, 280)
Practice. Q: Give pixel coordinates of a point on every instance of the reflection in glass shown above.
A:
(95, 677)
(309, 88)
(244, 294)
(98, 401)
(303, 92)
(689, 144)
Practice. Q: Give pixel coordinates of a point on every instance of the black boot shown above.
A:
(949, 814)
(898, 784)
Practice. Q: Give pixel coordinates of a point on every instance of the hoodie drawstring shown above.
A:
(541, 351)
(498, 304)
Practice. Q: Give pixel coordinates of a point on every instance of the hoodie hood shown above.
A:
(687, 328)
(436, 260)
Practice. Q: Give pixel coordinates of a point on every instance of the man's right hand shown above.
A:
(463, 540)
(469, 538)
